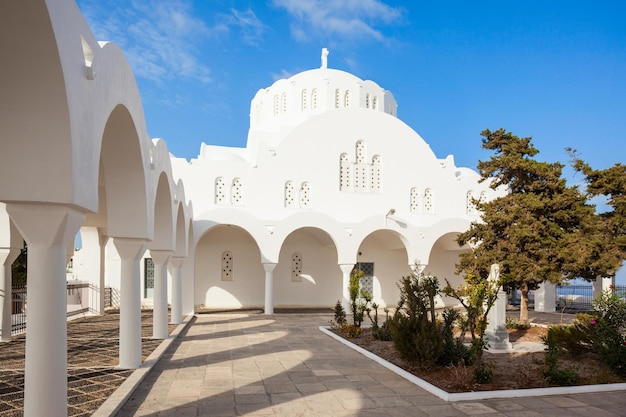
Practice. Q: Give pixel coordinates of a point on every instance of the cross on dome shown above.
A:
(324, 58)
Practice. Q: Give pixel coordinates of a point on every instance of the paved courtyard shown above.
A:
(249, 364)
(282, 365)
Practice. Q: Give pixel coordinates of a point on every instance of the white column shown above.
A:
(7, 257)
(269, 288)
(545, 297)
(89, 264)
(346, 269)
(496, 333)
(47, 229)
(159, 309)
(601, 284)
(130, 251)
(177, 290)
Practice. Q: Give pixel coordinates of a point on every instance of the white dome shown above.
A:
(289, 102)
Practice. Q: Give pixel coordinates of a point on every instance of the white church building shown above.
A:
(331, 179)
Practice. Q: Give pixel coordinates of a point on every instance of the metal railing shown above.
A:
(78, 296)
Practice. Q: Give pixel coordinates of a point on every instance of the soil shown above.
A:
(510, 370)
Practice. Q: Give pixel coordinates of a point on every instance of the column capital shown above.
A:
(130, 248)
(346, 268)
(177, 261)
(46, 224)
(161, 256)
(269, 267)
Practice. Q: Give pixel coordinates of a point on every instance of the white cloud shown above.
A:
(158, 37)
(251, 27)
(283, 74)
(347, 18)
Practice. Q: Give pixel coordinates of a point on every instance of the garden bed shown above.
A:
(511, 371)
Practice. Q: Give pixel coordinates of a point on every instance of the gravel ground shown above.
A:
(92, 355)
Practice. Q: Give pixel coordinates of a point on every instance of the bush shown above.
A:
(454, 351)
(415, 333)
(340, 314)
(554, 348)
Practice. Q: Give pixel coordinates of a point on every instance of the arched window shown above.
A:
(376, 174)
(414, 200)
(220, 191)
(429, 203)
(360, 152)
(470, 207)
(345, 183)
(484, 196)
(304, 103)
(296, 267)
(227, 266)
(276, 106)
(314, 98)
(375, 103)
(305, 195)
(283, 102)
(367, 101)
(236, 192)
(361, 177)
(289, 195)
(346, 99)
(337, 98)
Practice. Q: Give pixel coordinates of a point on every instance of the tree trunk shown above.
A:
(523, 307)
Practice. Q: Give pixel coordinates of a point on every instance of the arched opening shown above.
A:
(245, 287)
(383, 256)
(319, 283)
(442, 260)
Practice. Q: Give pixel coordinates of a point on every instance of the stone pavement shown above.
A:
(282, 365)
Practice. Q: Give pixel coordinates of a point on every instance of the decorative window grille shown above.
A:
(220, 191)
(304, 101)
(376, 174)
(367, 101)
(429, 206)
(236, 192)
(367, 280)
(276, 106)
(414, 203)
(314, 98)
(360, 178)
(227, 266)
(305, 195)
(360, 152)
(337, 98)
(296, 267)
(375, 103)
(289, 195)
(148, 278)
(346, 99)
(470, 207)
(345, 184)
(483, 197)
(283, 102)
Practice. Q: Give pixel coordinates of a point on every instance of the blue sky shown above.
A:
(554, 70)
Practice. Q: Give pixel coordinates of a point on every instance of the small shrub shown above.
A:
(359, 298)
(483, 374)
(340, 314)
(513, 323)
(559, 376)
(416, 335)
(554, 348)
(351, 330)
(454, 351)
(379, 332)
